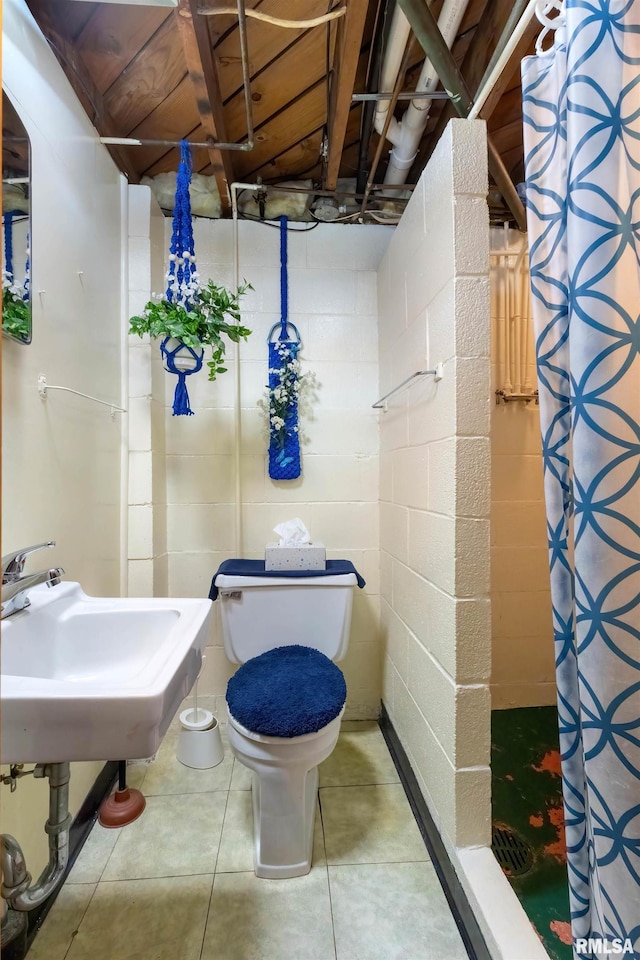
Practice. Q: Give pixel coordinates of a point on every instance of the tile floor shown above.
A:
(178, 884)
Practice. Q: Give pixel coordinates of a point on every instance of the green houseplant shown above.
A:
(212, 313)
(16, 311)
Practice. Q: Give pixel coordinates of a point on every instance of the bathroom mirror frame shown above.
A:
(16, 198)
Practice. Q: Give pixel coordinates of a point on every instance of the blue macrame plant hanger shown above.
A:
(7, 219)
(180, 279)
(284, 458)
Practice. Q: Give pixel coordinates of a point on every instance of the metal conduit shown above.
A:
(507, 32)
(426, 31)
(373, 81)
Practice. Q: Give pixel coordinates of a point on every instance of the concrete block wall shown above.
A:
(147, 522)
(333, 302)
(433, 304)
(523, 670)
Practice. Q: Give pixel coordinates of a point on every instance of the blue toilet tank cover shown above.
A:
(287, 692)
(255, 568)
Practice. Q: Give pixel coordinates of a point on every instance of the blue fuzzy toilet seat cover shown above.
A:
(287, 692)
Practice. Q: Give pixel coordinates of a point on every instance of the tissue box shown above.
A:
(306, 556)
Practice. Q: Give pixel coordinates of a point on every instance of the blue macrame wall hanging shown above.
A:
(284, 381)
(16, 312)
(182, 286)
(7, 221)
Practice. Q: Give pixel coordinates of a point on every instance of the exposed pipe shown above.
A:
(447, 112)
(426, 30)
(500, 315)
(488, 83)
(511, 308)
(124, 387)
(512, 20)
(516, 323)
(239, 532)
(528, 331)
(416, 116)
(505, 185)
(16, 879)
(505, 316)
(388, 119)
(396, 45)
(136, 142)
(368, 110)
(405, 95)
(277, 21)
(246, 81)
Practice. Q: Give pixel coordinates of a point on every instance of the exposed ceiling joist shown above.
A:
(425, 27)
(82, 83)
(138, 78)
(347, 53)
(204, 77)
(473, 69)
(102, 32)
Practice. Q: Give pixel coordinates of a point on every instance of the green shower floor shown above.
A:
(527, 798)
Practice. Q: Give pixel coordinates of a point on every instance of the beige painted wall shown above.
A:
(61, 457)
(523, 671)
(433, 300)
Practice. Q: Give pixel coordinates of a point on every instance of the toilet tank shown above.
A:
(260, 613)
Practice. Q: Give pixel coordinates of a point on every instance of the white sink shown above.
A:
(89, 678)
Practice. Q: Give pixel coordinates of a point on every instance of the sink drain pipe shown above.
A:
(16, 879)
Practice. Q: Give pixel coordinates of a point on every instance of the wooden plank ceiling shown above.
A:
(157, 73)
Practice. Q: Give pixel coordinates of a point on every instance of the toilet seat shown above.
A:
(287, 692)
(262, 738)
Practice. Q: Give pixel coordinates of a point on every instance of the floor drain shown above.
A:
(513, 854)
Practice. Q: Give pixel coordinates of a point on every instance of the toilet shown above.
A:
(287, 699)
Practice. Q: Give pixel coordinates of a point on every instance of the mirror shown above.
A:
(16, 226)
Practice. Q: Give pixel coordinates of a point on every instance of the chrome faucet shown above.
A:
(16, 586)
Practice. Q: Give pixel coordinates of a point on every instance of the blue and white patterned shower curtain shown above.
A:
(581, 106)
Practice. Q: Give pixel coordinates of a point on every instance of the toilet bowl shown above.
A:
(285, 788)
(286, 701)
